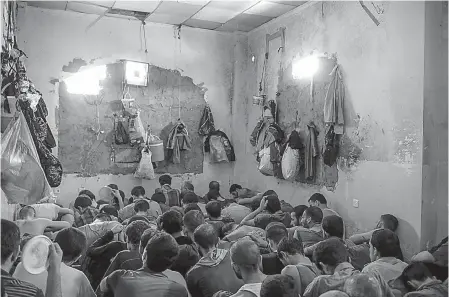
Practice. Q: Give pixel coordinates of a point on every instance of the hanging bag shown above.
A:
(207, 122)
(290, 163)
(23, 179)
(120, 134)
(217, 150)
(265, 165)
(145, 169)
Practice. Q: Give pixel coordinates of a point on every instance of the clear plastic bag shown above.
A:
(265, 165)
(22, 178)
(217, 150)
(290, 163)
(145, 169)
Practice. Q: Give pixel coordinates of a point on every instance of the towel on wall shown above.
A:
(333, 103)
(178, 140)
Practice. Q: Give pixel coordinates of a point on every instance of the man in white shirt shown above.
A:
(73, 282)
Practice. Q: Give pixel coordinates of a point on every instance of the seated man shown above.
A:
(213, 272)
(421, 283)
(29, 224)
(172, 195)
(101, 225)
(53, 212)
(73, 282)
(236, 212)
(333, 227)
(271, 263)
(296, 216)
(362, 285)
(83, 211)
(133, 234)
(171, 222)
(213, 209)
(279, 286)
(256, 198)
(192, 206)
(188, 198)
(312, 231)
(245, 258)
(331, 257)
(10, 248)
(385, 252)
(387, 221)
(268, 211)
(297, 265)
(320, 201)
(160, 253)
(90, 195)
(141, 208)
(187, 187)
(162, 201)
(436, 259)
(138, 193)
(214, 192)
(238, 192)
(192, 220)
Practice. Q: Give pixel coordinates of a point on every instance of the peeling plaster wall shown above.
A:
(52, 39)
(383, 69)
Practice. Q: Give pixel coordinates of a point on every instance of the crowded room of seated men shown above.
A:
(213, 148)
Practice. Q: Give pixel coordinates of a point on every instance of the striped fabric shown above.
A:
(16, 288)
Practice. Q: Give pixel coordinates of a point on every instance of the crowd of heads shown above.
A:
(160, 248)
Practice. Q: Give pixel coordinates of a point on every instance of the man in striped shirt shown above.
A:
(10, 243)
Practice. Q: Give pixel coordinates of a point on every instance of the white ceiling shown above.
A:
(220, 15)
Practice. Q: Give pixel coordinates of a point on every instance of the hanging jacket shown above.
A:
(256, 132)
(225, 141)
(311, 153)
(178, 140)
(333, 103)
(207, 122)
(331, 145)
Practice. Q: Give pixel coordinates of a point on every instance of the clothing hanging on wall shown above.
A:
(207, 122)
(311, 152)
(178, 140)
(225, 142)
(331, 146)
(333, 104)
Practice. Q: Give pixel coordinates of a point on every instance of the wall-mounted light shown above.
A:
(136, 73)
(305, 67)
(86, 82)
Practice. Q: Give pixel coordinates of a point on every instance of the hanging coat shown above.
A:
(207, 122)
(256, 132)
(178, 140)
(333, 103)
(224, 140)
(331, 145)
(311, 153)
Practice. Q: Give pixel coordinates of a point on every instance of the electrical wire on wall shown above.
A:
(177, 54)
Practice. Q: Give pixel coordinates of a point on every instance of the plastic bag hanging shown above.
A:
(22, 179)
(145, 169)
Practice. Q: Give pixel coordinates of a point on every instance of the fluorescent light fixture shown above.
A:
(86, 82)
(305, 67)
(136, 73)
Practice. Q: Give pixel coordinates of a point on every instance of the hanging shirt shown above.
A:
(311, 153)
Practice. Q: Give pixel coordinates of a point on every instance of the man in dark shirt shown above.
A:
(271, 264)
(133, 234)
(213, 209)
(213, 272)
(12, 287)
(171, 222)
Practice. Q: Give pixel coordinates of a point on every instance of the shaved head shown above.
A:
(362, 285)
(245, 253)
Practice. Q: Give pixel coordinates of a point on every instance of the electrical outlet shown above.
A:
(355, 203)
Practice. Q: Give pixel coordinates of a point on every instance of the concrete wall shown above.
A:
(52, 39)
(434, 179)
(383, 67)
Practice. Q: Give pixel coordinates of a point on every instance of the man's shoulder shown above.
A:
(16, 287)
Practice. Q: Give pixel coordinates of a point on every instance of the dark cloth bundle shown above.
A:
(225, 141)
(207, 122)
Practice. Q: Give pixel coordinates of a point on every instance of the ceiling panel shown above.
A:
(193, 2)
(172, 7)
(164, 18)
(213, 14)
(202, 24)
(60, 5)
(244, 22)
(120, 16)
(144, 6)
(292, 3)
(86, 8)
(99, 3)
(269, 9)
(236, 5)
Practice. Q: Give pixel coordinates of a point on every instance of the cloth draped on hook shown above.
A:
(207, 122)
(334, 101)
(311, 153)
(178, 140)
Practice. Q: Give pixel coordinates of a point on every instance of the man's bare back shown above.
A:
(38, 226)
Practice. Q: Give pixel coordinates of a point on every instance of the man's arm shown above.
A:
(362, 237)
(292, 271)
(64, 211)
(54, 272)
(245, 201)
(249, 219)
(192, 285)
(55, 225)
